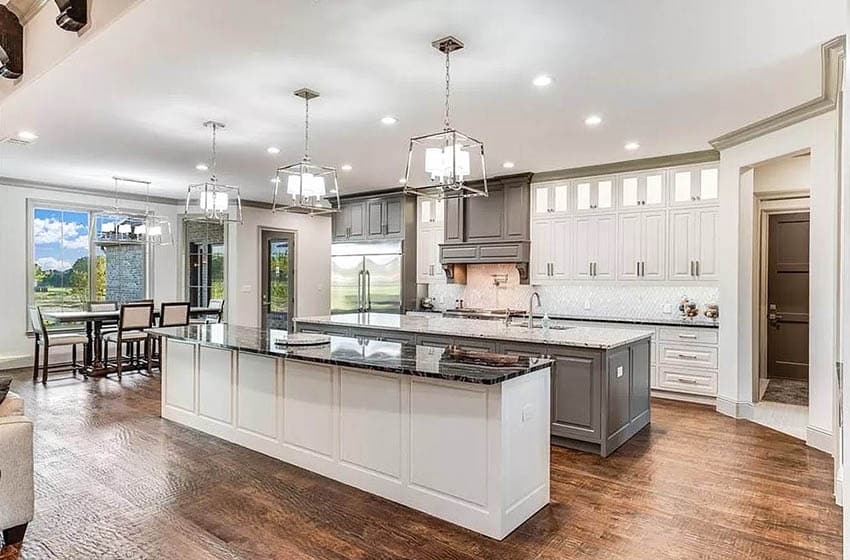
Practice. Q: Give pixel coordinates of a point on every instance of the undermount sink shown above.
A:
(537, 325)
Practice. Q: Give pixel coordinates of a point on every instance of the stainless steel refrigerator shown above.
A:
(366, 277)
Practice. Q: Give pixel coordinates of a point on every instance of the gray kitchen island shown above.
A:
(600, 379)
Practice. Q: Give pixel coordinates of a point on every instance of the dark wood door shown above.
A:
(788, 296)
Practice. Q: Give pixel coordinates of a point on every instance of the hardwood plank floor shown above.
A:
(114, 480)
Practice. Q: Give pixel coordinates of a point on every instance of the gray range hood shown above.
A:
(491, 230)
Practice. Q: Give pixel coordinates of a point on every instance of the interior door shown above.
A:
(383, 283)
(278, 282)
(788, 296)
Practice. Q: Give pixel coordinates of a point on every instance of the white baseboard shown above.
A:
(839, 486)
(15, 362)
(819, 439)
(735, 409)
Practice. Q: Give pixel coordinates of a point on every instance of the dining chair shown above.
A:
(45, 340)
(216, 307)
(133, 320)
(172, 314)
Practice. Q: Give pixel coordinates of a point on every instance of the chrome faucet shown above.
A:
(531, 307)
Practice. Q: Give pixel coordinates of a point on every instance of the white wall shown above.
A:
(735, 250)
(783, 175)
(15, 346)
(312, 266)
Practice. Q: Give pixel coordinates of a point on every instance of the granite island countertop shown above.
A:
(603, 338)
(392, 357)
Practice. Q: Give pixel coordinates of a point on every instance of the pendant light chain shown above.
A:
(214, 127)
(306, 128)
(448, 88)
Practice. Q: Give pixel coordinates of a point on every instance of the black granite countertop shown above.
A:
(393, 357)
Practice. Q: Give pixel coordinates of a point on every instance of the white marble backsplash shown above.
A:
(594, 299)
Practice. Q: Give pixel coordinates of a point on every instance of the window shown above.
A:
(204, 262)
(70, 269)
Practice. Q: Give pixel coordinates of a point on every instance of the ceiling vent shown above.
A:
(15, 141)
(11, 45)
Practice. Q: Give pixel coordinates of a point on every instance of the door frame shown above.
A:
(767, 205)
(293, 269)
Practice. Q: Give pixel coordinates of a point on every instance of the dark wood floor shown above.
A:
(113, 480)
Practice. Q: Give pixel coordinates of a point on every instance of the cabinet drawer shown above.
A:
(687, 355)
(698, 382)
(434, 341)
(688, 334)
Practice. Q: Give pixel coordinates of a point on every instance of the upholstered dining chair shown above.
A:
(133, 320)
(172, 314)
(216, 307)
(44, 341)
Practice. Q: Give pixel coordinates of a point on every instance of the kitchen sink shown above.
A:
(537, 325)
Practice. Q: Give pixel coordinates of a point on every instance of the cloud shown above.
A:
(52, 263)
(73, 235)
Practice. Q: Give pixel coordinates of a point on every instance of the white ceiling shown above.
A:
(670, 74)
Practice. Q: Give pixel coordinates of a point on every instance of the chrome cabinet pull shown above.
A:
(687, 356)
(368, 291)
(696, 267)
(688, 336)
(688, 381)
(637, 268)
(360, 291)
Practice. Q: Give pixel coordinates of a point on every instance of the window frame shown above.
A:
(92, 210)
(184, 255)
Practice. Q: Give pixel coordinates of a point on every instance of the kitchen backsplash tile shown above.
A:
(579, 300)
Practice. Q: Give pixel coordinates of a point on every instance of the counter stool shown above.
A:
(174, 314)
(133, 320)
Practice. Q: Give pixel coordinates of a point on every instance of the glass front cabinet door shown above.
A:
(694, 185)
(642, 190)
(595, 194)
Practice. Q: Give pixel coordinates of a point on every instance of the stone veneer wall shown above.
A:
(125, 272)
(592, 300)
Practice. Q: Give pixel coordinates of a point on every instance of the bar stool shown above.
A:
(174, 314)
(133, 320)
(45, 340)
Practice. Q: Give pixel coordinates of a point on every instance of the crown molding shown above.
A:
(628, 166)
(832, 75)
(26, 184)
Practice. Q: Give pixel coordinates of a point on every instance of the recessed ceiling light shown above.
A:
(389, 119)
(346, 167)
(593, 120)
(542, 80)
(201, 167)
(27, 135)
(273, 150)
(508, 165)
(631, 146)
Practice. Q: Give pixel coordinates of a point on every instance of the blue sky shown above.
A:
(60, 238)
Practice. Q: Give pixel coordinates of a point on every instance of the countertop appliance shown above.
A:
(366, 277)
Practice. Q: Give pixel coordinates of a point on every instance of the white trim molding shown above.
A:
(820, 439)
(741, 410)
(832, 75)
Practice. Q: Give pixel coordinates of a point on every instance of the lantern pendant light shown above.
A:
(305, 187)
(128, 227)
(441, 165)
(213, 200)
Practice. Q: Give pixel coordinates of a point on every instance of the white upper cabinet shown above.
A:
(429, 235)
(595, 247)
(694, 185)
(693, 244)
(431, 211)
(641, 246)
(595, 194)
(640, 190)
(551, 244)
(550, 198)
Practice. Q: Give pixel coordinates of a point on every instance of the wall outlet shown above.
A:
(667, 308)
(527, 412)
(586, 305)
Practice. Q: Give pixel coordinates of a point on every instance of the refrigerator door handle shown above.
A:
(360, 291)
(368, 291)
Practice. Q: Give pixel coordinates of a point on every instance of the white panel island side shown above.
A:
(462, 440)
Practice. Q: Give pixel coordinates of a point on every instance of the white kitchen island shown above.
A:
(461, 437)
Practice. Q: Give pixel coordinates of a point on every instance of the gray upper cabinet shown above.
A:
(485, 217)
(502, 216)
(348, 223)
(374, 218)
(454, 220)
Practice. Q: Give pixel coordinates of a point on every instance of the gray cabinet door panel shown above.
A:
(503, 252)
(394, 217)
(619, 390)
(575, 397)
(517, 213)
(432, 340)
(375, 218)
(461, 253)
(484, 217)
(340, 223)
(356, 219)
(453, 227)
(640, 358)
(390, 336)
(475, 344)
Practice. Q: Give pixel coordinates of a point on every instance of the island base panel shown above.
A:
(474, 455)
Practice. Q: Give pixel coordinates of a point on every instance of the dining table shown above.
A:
(94, 321)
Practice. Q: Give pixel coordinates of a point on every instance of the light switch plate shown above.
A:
(619, 372)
